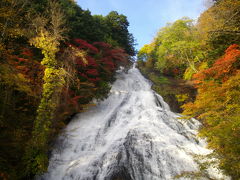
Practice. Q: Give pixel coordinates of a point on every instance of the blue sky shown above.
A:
(146, 17)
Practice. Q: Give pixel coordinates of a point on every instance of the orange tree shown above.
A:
(218, 106)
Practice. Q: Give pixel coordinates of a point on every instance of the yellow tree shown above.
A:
(50, 31)
(146, 54)
(222, 17)
(219, 26)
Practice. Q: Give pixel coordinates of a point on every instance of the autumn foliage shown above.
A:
(218, 106)
(55, 58)
(223, 68)
(91, 73)
(207, 55)
(30, 69)
(90, 69)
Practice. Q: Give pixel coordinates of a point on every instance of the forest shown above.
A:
(55, 59)
(206, 54)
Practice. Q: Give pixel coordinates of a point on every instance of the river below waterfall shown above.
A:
(131, 135)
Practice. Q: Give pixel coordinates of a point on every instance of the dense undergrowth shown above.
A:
(207, 54)
(55, 58)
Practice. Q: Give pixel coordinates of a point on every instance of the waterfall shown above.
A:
(131, 135)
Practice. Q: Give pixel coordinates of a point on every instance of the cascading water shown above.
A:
(132, 135)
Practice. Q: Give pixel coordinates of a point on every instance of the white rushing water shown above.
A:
(132, 135)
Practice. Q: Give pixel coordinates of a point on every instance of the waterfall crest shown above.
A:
(132, 135)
